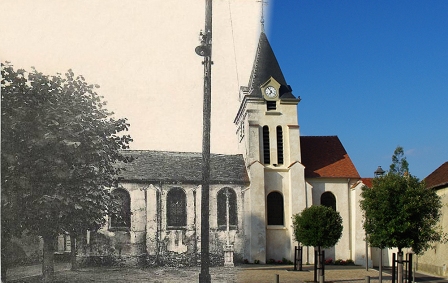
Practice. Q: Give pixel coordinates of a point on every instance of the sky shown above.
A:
(374, 73)
(141, 54)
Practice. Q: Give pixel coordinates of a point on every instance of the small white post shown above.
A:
(228, 248)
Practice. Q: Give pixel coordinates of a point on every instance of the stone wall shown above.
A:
(150, 240)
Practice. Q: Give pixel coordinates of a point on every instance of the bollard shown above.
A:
(277, 278)
(367, 279)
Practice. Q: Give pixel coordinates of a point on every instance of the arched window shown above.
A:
(279, 145)
(328, 199)
(176, 208)
(122, 219)
(275, 208)
(226, 201)
(266, 150)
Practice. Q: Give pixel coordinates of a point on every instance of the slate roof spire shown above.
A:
(266, 66)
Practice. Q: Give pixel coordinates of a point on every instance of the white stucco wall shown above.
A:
(340, 187)
(435, 260)
(359, 253)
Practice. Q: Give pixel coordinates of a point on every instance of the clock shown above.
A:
(270, 91)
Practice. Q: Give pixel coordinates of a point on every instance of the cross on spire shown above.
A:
(263, 2)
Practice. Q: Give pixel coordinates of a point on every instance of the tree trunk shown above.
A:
(48, 258)
(73, 251)
(319, 265)
(400, 266)
(380, 277)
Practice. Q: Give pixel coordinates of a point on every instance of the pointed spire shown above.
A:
(262, 13)
(266, 66)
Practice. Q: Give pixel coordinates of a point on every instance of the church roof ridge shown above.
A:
(128, 151)
(326, 136)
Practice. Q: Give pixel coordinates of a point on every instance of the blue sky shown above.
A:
(374, 73)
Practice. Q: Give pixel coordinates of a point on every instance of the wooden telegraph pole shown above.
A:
(205, 50)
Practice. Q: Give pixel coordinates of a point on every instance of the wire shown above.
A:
(234, 49)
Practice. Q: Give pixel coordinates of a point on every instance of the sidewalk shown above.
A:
(267, 273)
(333, 273)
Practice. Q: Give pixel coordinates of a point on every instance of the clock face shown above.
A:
(270, 92)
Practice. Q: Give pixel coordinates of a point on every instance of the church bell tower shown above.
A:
(269, 137)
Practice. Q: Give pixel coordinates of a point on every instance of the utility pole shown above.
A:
(205, 50)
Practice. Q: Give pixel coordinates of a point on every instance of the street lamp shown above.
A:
(205, 50)
(378, 173)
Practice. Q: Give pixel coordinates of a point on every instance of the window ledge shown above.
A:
(224, 227)
(278, 168)
(276, 227)
(176, 228)
(273, 112)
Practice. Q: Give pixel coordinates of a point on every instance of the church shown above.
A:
(253, 195)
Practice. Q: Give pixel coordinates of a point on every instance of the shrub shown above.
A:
(343, 262)
(286, 261)
(350, 262)
(340, 262)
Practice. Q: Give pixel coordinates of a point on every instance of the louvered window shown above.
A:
(271, 105)
(279, 145)
(176, 208)
(266, 151)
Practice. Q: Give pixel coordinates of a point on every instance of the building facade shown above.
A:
(435, 260)
(253, 195)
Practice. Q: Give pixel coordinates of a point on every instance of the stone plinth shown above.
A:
(228, 256)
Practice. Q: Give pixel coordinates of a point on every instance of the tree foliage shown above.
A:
(399, 211)
(399, 164)
(318, 226)
(60, 150)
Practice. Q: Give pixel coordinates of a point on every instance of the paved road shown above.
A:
(419, 276)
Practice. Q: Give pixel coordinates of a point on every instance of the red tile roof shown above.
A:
(325, 156)
(438, 178)
(367, 181)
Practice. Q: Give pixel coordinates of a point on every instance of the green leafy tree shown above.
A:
(318, 226)
(399, 211)
(399, 164)
(60, 150)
